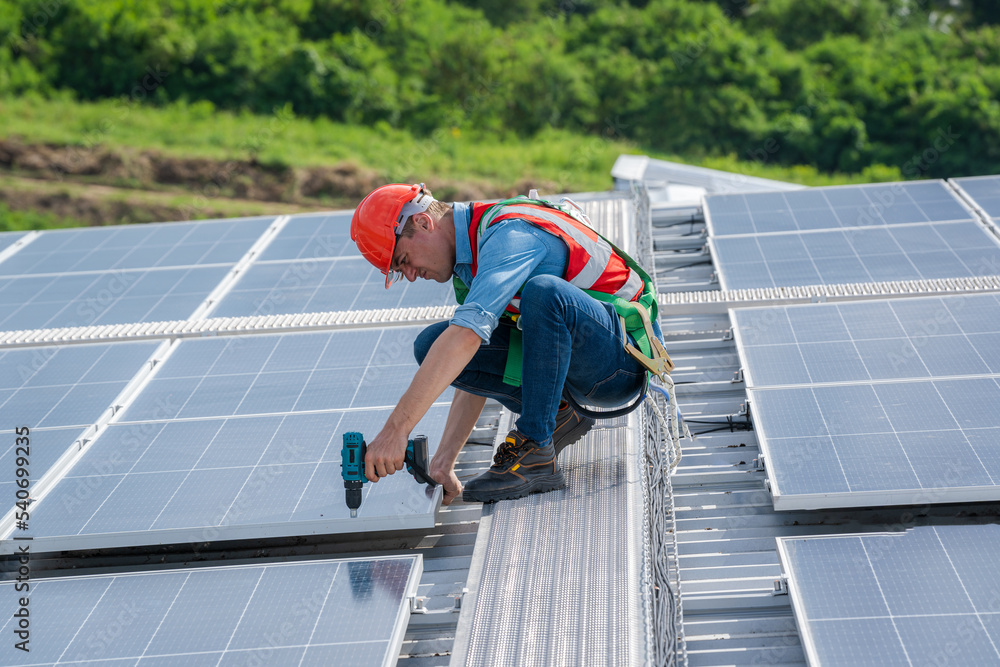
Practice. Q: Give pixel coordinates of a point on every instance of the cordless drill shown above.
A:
(352, 465)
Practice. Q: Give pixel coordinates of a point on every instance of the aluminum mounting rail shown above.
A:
(226, 326)
(710, 301)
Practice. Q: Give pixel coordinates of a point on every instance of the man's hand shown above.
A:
(448, 481)
(449, 354)
(385, 454)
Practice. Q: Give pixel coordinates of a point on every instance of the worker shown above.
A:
(518, 267)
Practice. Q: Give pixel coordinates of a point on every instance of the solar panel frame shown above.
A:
(984, 191)
(892, 598)
(7, 239)
(833, 207)
(221, 614)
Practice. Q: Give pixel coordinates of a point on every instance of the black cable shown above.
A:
(729, 424)
(684, 266)
(692, 221)
(711, 430)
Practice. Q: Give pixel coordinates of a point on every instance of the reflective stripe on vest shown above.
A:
(592, 265)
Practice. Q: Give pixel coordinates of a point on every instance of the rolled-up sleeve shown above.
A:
(509, 254)
(475, 317)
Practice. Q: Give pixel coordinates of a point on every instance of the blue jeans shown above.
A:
(571, 342)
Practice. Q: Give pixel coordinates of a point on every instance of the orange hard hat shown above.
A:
(379, 219)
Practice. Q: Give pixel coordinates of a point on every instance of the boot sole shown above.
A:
(537, 485)
(573, 435)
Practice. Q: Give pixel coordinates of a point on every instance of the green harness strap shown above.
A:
(627, 310)
(512, 370)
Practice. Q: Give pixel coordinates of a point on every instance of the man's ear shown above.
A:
(425, 221)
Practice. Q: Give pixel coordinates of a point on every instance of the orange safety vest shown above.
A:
(592, 263)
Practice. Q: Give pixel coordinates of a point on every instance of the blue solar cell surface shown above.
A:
(244, 431)
(136, 247)
(875, 205)
(55, 392)
(880, 444)
(313, 236)
(985, 191)
(311, 285)
(870, 340)
(107, 297)
(876, 402)
(926, 596)
(334, 612)
(873, 254)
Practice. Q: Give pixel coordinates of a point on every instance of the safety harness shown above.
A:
(596, 265)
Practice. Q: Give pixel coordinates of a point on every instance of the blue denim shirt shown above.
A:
(510, 252)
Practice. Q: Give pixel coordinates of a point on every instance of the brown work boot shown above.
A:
(519, 467)
(570, 427)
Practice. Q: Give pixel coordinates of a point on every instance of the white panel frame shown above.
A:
(203, 534)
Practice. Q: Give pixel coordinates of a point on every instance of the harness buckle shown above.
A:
(660, 364)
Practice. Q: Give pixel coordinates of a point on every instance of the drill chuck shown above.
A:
(352, 493)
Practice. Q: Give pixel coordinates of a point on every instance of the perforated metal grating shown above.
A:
(560, 581)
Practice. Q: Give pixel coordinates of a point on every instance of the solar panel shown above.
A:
(55, 392)
(926, 596)
(313, 236)
(984, 190)
(106, 297)
(878, 402)
(136, 246)
(874, 205)
(241, 437)
(869, 340)
(867, 444)
(311, 285)
(335, 612)
(874, 254)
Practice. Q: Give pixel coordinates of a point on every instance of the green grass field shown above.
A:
(567, 162)
(574, 162)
